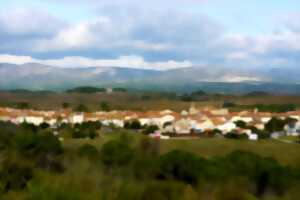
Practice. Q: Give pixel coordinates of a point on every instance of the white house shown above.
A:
(220, 112)
(227, 127)
(36, 120)
(202, 125)
(265, 119)
(182, 126)
(292, 129)
(240, 118)
(77, 118)
(253, 137)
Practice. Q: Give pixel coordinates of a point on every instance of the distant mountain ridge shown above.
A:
(34, 76)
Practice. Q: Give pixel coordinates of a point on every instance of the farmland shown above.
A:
(137, 100)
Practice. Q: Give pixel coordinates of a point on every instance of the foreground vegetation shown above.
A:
(112, 164)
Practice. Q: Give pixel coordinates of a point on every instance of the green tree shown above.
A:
(150, 129)
(104, 106)
(180, 165)
(81, 108)
(88, 150)
(275, 125)
(23, 105)
(241, 124)
(116, 153)
(65, 105)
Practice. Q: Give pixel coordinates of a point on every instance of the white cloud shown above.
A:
(237, 56)
(22, 21)
(12, 59)
(131, 61)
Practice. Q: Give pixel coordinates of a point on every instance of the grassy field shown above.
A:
(287, 154)
(133, 100)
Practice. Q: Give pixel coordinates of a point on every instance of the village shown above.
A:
(192, 122)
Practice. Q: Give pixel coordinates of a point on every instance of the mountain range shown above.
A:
(34, 76)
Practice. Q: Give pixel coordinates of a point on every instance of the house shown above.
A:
(220, 112)
(202, 125)
(193, 110)
(277, 135)
(292, 129)
(184, 113)
(36, 120)
(77, 118)
(253, 137)
(158, 135)
(241, 118)
(227, 127)
(182, 126)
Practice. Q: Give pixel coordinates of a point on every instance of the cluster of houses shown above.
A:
(184, 123)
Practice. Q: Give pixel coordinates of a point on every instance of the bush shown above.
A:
(104, 106)
(81, 108)
(134, 125)
(14, 176)
(181, 166)
(234, 135)
(116, 153)
(35, 144)
(266, 173)
(86, 130)
(241, 124)
(150, 129)
(44, 125)
(49, 144)
(8, 131)
(28, 127)
(275, 125)
(87, 150)
(76, 134)
(228, 104)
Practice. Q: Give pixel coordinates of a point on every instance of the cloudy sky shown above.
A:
(152, 34)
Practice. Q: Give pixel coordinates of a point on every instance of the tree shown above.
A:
(81, 108)
(241, 124)
(23, 105)
(44, 125)
(116, 153)
(14, 176)
(150, 129)
(134, 125)
(88, 150)
(104, 106)
(275, 125)
(65, 105)
(180, 165)
(31, 143)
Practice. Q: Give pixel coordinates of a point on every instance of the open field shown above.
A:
(287, 154)
(134, 100)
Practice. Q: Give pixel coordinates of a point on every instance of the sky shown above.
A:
(152, 34)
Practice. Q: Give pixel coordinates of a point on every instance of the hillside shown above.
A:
(35, 76)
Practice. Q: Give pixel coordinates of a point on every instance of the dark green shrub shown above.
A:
(49, 144)
(81, 108)
(181, 166)
(34, 144)
(275, 125)
(150, 129)
(234, 135)
(104, 106)
(87, 150)
(116, 153)
(134, 125)
(28, 127)
(14, 176)
(241, 124)
(44, 125)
